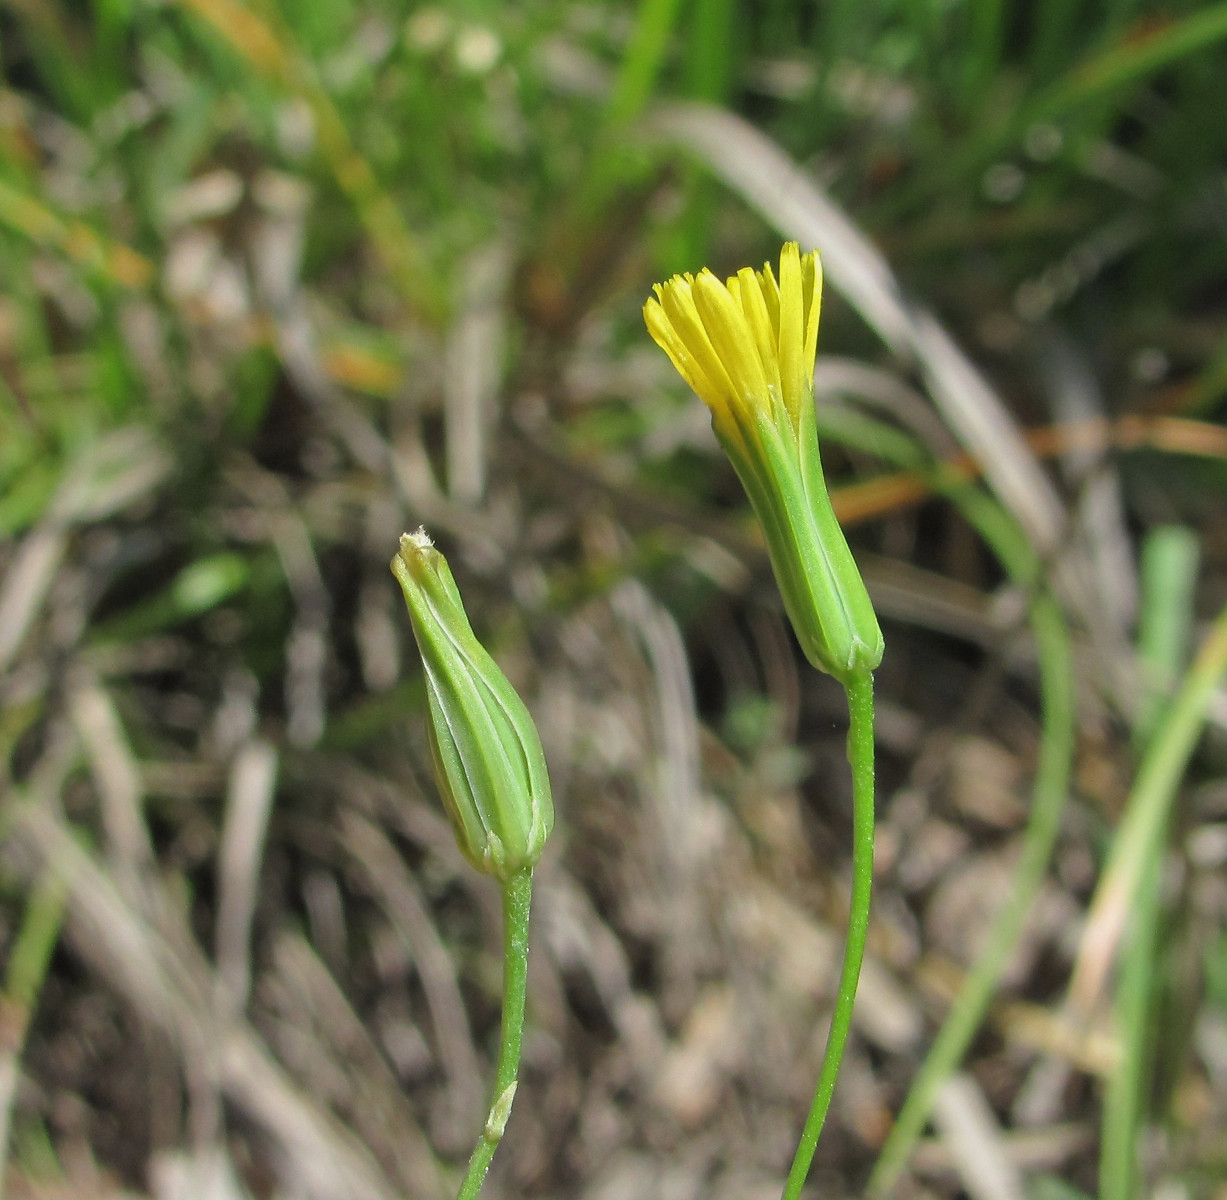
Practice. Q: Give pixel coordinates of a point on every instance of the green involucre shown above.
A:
(824, 594)
(487, 754)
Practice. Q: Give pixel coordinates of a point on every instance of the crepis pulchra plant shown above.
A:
(747, 347)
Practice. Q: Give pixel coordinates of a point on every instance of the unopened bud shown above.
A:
(487, 755)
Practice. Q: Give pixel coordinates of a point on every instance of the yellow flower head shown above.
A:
(747, 347)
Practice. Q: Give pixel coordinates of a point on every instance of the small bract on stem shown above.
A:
(747, 347)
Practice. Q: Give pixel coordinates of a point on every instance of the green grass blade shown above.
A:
(1129, 60)
(29, 959)
(1132, 59)
(1130, 885)
(1145, 816)
(644, 57)
(709, 58)
(1169, 570)
(1169, 574)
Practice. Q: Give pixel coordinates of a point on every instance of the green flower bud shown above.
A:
(487, 756)
(747, 347)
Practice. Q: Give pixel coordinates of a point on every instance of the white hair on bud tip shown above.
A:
(419, 540)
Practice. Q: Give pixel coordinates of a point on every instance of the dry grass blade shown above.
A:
(577, 937)
(964, 1118)
(471, 377)
(1099, 564)
(113, 473)
(208, 1175)
(1104, 539)
(249, 801)
(982, 423)
(837, 378)
(25, 585)
(401, 899)
(759, 171)
(678, 790)
(928, 600)
(316, 1155)
(307, 645)
(116, 775)
(326, 1026)
(276, 252)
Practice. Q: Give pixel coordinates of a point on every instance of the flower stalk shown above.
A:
(517, 901)
(490, 770)
(747, 347)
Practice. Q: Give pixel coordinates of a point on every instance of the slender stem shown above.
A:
(860, 759)
(517, 901)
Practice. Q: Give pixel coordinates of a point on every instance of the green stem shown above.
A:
(517, 901)
(860, 758)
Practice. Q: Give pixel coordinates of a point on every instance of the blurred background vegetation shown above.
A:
(281, 280)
